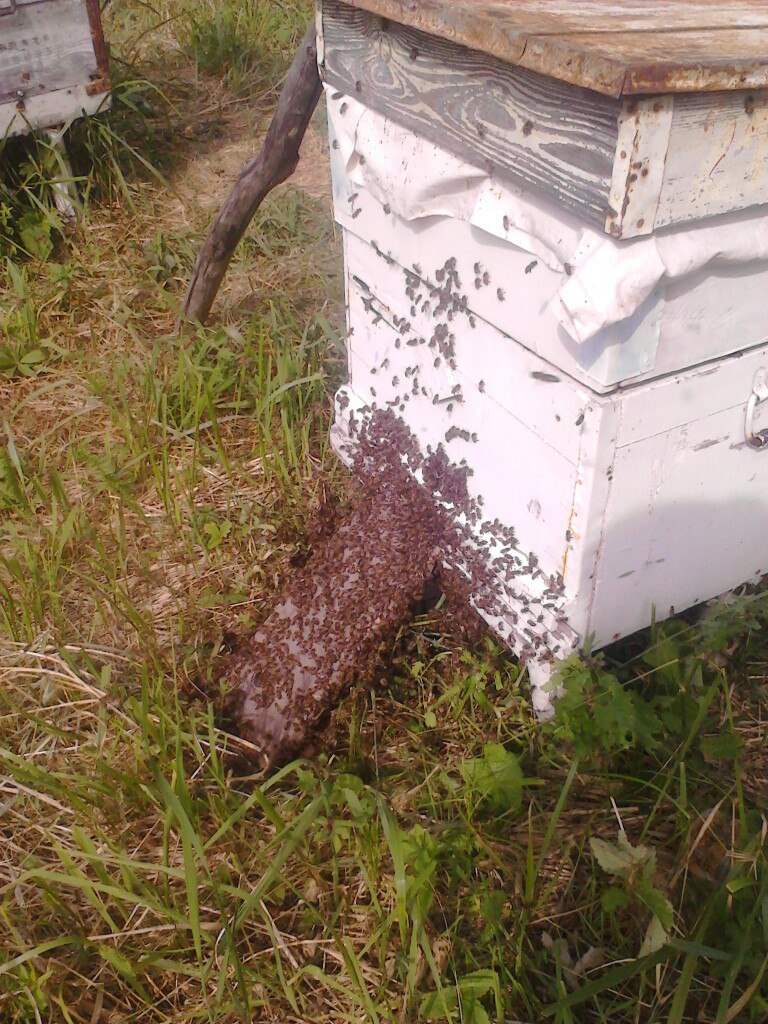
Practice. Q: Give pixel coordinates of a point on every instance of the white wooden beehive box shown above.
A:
(605, 259)
(53, 63)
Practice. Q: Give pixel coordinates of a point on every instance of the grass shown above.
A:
(445, 858)
(243, 43)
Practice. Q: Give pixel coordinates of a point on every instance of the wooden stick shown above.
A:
(275, 163)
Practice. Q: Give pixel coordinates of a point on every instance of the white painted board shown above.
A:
(645, 501)
(51, 110)
(687, 507)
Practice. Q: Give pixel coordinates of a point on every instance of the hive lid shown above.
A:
(634, 47)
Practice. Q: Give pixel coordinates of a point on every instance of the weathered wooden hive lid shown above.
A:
(632, 47)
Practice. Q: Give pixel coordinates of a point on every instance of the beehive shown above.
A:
(53, 63)
(554, 219)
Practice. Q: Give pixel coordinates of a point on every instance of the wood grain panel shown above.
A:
(45, 47)
(628, 47)
(530, 128)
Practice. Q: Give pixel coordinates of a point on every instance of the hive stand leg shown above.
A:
(540, 674)
(64, 190)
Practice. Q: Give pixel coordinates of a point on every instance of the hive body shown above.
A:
(607, 392)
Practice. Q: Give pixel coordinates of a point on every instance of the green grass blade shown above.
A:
(611, 979)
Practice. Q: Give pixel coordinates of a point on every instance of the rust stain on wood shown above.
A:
(98, 86)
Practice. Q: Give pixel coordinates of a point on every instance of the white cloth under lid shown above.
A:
(604, 280)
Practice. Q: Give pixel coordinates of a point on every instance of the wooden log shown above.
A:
(335, 615)
(275, 163)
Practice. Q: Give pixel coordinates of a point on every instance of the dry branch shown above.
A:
(275, 163)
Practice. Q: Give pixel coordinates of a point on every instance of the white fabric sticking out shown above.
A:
(605, 281)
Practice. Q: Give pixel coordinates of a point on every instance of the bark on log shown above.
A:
(275, 163)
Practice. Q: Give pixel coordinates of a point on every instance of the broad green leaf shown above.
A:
(727, 746)
(465, 995)
(478, 983)
(496, 778)
(621, 859)
(439, 1005)
(34, 356)
(35, 235)
(615, 718)
(615, 898)
(656, 901)
(656, 937)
